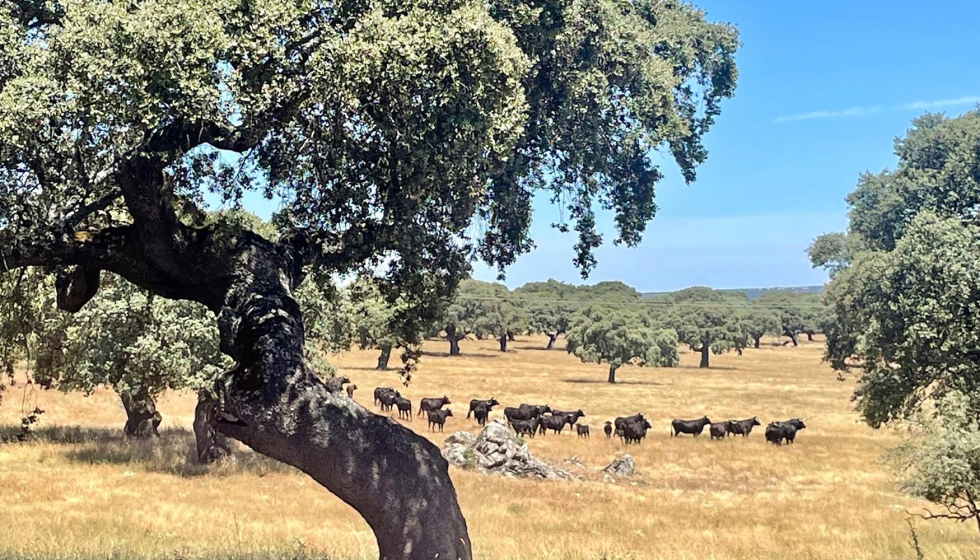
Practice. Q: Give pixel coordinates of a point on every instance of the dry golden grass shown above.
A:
(79, 490)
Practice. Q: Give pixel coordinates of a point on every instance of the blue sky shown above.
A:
(823, 90)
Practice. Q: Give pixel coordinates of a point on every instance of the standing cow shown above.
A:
(438, 418)
(429, 404)
(694, 427)
(488, 404)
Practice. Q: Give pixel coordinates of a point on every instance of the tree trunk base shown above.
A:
(212, 445)
(142, 418)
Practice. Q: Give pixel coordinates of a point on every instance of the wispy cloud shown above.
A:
(864, 111)
(852, 112)
(969, 100)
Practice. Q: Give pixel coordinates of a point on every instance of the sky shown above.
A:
(824, 88)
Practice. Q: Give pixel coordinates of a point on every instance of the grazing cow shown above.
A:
(583, 431)
(526, 427)
(776, 432)
(743, 427)
(388, 400)
(350, 391)
(487, 404)
(525, 412)
(481, 414)
(608, 429)
(433, 403)
(553, 423)
(634, 432)
(623, 420)
(378, 391)
(694, 427)
(404, 408)
(336, 384)
(438, 418)
(719, 430)
(570, 417)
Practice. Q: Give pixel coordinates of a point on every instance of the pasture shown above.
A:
(79, 490)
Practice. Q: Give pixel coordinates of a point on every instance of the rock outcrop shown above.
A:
(495, 451)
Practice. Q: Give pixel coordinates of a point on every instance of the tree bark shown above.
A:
(503, 343)
(612, 373)
(551, 340)
(384, 357)
(142, 418)
(212, 445)
(705, 353)
(809, 336)
(453, 339)
(757, 339)
(792, 336)
(511, 337)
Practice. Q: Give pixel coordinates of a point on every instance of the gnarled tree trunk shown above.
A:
(384, 357)
(511, 337)
(792, 337)
(757, 339)
(705, 353)
(612, 373)
(551, 340)
(503, 343)
(142, 418)
(212, 445)
(809, 336)
(453, 337)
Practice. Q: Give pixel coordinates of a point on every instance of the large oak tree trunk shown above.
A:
(142, 418)
(551, 341)
(212, 445)
(705, 353)
(757, 339)
(503, 343)
(612, 374)
(809, 336)
(384, 357)
(511, 337)
(453, 337)
(792, 336)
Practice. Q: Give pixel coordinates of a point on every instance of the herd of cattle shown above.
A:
(530, 420)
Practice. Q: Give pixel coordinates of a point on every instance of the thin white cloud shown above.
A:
(864, 111)
(852, 112)
(969, 100)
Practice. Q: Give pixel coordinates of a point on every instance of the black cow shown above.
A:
(336, 384)
(487, 404)
(553, 423)
(583, 431)
(438, 418)
(694, 427)
(623, 420)
(378, 391)
(481, 414)
(525, 412)
(608, 429)
(634, 432)
(776, 432)
(404, 407)
(429, 404)
(388, 400)
(526, 427)
(350, 391)
(743, 427)
(570, 417)
(719, 430)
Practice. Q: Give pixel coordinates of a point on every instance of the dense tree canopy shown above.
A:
(608, 335)
(549, 307)
(708, 321)
(906, 307)
(386, 128)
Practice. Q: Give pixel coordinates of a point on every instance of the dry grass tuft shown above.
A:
(79, 490)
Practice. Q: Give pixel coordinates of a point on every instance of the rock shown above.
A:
(573, 461)
(494, 451)
(621, 467)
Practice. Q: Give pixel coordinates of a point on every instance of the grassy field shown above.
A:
(79, 490)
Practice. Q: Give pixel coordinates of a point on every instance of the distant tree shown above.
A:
(549, 307)
(791, 309)
(376, 320)
(608, 335)
(482, 309)
(708, 321)
(610, 291)
(759, 321)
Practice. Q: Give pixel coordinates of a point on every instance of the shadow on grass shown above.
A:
(598, 381)
(174, 452)
(462, 355)
(718, 368)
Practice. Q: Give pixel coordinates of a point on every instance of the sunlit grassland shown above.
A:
(80, 490)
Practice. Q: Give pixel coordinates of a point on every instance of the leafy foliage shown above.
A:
(605, 335)
(482, 308)
(708, 320)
